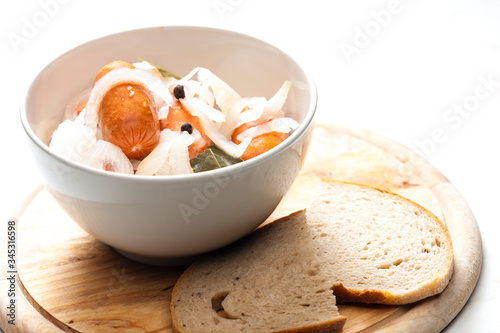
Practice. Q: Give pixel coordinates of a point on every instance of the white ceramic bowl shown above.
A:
(170, 219)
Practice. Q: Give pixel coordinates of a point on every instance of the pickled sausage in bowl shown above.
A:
(142, 119)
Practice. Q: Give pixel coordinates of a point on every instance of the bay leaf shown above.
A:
(213, 158)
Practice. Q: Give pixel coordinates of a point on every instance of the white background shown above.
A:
(402, 69)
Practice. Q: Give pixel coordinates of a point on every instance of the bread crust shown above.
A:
(334, 326)
(344, 295)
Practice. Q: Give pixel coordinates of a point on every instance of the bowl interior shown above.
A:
(250, 66)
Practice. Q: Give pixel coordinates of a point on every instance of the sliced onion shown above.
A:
(154, 161)
(162, 107)
(210, 112)
(225, 96)
(70, 139)
(163, 111)
(200, 90)
(255, 109)
(189, 75)
(282, 125)
(147, 67)
(70, 111)
(45, 128)
(80, 119)
(270, 110)
(170, 156)
(205, 94)
(168, 135)
(211, 131)
(179, 156)
(191, 88)
(275, 104)
(196, 135)
(232, 118)
(120, 76)
(199, 141)
(106, 156)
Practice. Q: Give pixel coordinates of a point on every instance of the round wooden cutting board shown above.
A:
(71, 282)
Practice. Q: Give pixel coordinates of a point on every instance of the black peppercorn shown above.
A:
(179, 92)
(187, 127)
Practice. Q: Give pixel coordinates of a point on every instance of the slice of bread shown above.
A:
(268, 282)
(378, 247)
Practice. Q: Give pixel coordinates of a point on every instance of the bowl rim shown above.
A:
(301, 130)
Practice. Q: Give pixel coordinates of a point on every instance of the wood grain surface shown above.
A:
(70, 282)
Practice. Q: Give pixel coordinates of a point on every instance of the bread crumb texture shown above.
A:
(378, 247)
(268, 282)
